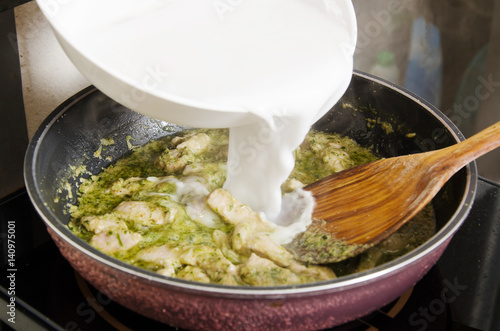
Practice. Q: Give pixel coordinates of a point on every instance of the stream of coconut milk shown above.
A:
(285, 61)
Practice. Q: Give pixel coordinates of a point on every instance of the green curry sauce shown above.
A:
(150, 209)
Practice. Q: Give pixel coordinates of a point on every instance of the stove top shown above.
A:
(462, 292)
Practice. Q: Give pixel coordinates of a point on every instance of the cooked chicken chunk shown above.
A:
(214, 174)
(336, 161)
(221, 239)
(175, 160)
(263, 272)
(194, 274)
(195, 143)
(232, 210)
(163, 255)
(208, 259)
(167, 272)
(247, 239)
(213, 262)
(113, 242)
(103, 223)
(127, 186)
(264, 246)
(143, 212)
(312, 272)
(249, 233)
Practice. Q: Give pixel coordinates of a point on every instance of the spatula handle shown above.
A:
(470, 149)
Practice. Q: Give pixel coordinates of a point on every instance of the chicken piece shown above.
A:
(247, 239)
(249, 235)
(312, 272)
(208, 259)
(212, 261)
(103, 223)
(221, 239)
(143, 212)
(167, 272)
(196, 143)
(315, 143)
(127, 186)
(163, 256)
(230, 279)
(195, 274)
(213, 173)
(263, 272)
(233, 211)
(179, 139)
(175, 160)
(337, 161)
(264, 246)
(113, 242)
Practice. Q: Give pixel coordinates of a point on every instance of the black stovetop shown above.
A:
(462, 292)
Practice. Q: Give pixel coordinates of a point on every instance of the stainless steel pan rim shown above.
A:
(312, 289)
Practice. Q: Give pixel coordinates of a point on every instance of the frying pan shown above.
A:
(375, 113)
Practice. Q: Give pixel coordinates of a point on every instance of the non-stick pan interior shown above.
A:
(68, 145)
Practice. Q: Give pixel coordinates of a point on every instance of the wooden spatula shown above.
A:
(359, 207)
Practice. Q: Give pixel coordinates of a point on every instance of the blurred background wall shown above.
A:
(446, 51)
